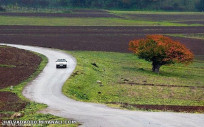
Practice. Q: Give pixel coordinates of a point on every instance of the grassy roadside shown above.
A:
(55, 21)
(31, 110)
(123, 77)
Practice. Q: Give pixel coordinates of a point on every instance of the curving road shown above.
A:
(46, 88)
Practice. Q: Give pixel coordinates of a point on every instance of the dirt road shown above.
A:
(46, 88)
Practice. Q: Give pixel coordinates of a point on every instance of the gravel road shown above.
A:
(46, 88)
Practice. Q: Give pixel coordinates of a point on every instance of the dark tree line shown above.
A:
(200, 5)
(181, 5)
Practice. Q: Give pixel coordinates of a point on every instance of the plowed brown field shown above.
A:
(113, 39)
(23, 64)
(168, 17)
(16, 65)
(174, 108)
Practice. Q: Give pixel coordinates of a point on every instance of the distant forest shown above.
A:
(167, 5)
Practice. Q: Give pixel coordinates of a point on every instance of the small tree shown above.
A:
(161, 50)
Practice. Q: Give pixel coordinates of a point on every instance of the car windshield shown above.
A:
(61, 60)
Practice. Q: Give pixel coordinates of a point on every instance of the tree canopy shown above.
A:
(179, 5)
(161, 50)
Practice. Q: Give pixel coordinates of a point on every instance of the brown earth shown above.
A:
(163, 85)
(91, 38)
(193, 18)
(191, 22)
(174, 108)
(25, 63)
(11, 102)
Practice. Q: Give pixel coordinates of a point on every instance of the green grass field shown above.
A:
(126, 18)
(9, 66)
(117, 71)
(55, 21)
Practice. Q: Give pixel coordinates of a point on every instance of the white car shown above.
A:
(61, 63)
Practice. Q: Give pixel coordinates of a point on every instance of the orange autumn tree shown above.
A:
(161, 50)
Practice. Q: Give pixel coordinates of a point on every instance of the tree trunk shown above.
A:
(155, 67)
